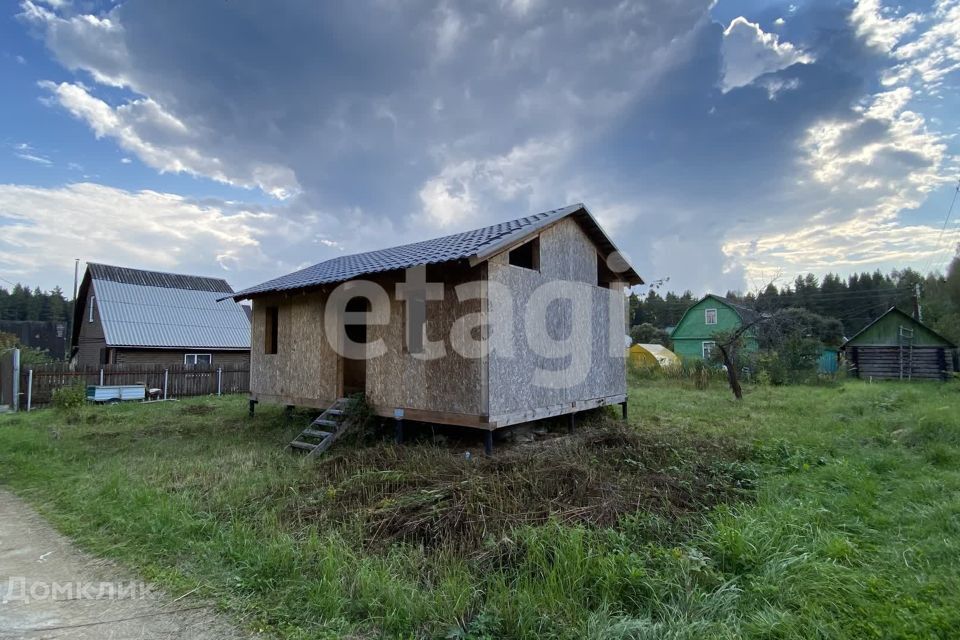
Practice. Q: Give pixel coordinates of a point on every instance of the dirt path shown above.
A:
(49, 589)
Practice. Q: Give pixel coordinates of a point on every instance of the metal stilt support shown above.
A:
(398, 430)
(288, 412)
(624, 406)
(488, 443)
(571, 422)
(253, 405)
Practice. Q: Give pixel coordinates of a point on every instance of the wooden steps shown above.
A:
(334, 422)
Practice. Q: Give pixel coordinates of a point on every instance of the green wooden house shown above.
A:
(896, 346)
(694, 337)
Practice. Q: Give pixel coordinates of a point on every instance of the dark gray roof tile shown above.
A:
(457, 246)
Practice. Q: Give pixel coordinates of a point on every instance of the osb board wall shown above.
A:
(452, 384)
(566, 254)
(305, 365)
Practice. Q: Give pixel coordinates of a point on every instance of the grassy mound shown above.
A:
(433, 497)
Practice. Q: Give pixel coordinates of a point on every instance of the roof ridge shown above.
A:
(164, 273)
(150, 278)
(473, 244)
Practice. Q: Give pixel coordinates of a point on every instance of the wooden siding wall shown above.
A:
(566, 253)
(174, 357)
(91, 339)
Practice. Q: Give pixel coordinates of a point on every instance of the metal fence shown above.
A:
(38, 382)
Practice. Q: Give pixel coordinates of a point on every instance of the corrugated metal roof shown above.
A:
(135, 315)
(157, 278)
(482, 243)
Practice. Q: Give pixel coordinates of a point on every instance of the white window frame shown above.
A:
(93, 302)
(191, 358)
(706, 316)
(705, 351)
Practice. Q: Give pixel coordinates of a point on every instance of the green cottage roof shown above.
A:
(885, 332)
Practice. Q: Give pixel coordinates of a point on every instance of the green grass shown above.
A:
(801, 512)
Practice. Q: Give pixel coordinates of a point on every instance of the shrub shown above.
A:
(70, 398)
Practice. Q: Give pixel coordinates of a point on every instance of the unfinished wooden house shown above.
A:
(132, 316)
(294, 359)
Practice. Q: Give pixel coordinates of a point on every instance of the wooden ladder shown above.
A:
(324, 430)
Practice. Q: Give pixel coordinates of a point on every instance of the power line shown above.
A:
(946, 221)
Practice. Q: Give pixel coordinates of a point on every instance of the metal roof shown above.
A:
(152, 309)
(477, 244)
(157, 278)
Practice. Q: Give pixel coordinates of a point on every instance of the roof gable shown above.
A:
(475, 245)
(881, 332)
(152, 309)
(745, 314)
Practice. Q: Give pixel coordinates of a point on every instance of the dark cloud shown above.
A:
(385, 123)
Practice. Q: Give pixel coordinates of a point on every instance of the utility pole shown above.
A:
(76, 274)
(917, 311)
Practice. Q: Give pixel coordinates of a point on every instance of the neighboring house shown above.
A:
(36, 334)
(130, 316)
(896, 346)
(294, 360)
(694, 337)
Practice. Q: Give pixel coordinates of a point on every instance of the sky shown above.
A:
(722, 144)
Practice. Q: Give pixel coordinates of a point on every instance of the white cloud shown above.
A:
(44, 229)
(164, 142)
(879, 27)
(863, 176)
(452, 198)
(83, 41)
(935, 53)
(25, 151)
(35, 158)
(749, 52)
(450, 30)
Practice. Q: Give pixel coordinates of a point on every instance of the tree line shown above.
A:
(23, 303)
(854, 301)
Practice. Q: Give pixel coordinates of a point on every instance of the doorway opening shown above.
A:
(354, 360)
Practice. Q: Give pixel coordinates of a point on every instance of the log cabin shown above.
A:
(897, 346)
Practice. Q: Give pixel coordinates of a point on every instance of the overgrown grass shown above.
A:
(802, 512)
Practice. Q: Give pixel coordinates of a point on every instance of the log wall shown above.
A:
(892, 363)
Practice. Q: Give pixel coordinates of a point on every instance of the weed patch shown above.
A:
(432, 497)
